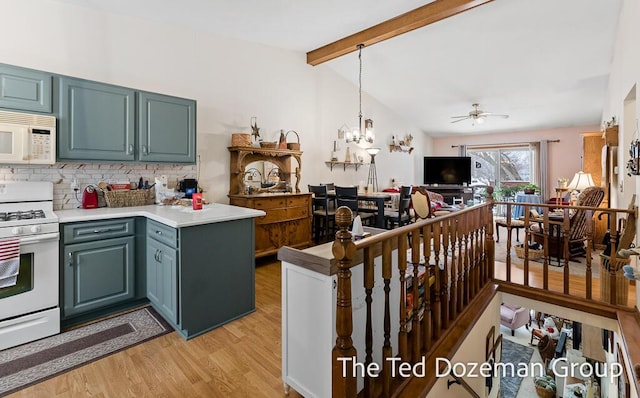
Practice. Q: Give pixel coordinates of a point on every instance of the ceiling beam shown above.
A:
(414, 19)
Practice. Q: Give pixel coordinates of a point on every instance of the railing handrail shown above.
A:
(601, 209)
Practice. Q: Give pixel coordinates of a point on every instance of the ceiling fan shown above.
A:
(477, 115)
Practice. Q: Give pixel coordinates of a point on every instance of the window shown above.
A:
(504, 165)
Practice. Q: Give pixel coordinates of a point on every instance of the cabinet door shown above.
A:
(96, 121)
(98, 274)
(25, 89)
(166, 129)
(162, 279)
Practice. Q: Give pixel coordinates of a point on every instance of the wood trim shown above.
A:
(414, 19)
(449, 343)
(629, 324)
(575, 303)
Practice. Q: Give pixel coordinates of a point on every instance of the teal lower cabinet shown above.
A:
(162, 279)
(197, 277)
(97, 274)
(211, 281)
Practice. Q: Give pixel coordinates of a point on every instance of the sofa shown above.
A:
(514, 316)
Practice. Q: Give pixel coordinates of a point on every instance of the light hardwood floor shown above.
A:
(240, 359)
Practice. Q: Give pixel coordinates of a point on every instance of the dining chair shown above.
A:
(323, 213)
(348, 196)
(421, 203)
(401, 216)
(330, 186)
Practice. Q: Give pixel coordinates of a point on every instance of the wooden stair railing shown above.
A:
(617, 226)
(458, 254)
(450, 255)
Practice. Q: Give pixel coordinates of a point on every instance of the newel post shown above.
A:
(490, 244)
(343, 353)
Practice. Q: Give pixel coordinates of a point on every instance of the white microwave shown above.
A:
(27, 138)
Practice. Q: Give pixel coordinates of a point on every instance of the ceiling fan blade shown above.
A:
(459, 120)
(464, 117)
(494, 115)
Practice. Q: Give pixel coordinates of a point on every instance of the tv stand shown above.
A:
(449, 192)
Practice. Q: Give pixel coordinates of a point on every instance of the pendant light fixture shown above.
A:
(358, 134)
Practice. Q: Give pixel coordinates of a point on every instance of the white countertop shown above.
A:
(173, 216)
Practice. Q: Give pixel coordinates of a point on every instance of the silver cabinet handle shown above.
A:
(130, 150)
(156, 255)
(99, 231)
(145, 150)
(70, 259)
(159, 232)
(160, 256)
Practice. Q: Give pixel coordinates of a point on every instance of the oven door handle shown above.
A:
(40, 238)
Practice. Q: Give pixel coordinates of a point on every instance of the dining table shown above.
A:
(377, 198)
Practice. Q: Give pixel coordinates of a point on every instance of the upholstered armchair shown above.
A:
(514, 316)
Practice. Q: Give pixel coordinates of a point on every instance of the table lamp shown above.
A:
(579, 183)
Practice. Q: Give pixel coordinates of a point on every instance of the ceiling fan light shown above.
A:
(480, 120)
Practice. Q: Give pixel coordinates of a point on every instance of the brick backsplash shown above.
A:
(61, 174)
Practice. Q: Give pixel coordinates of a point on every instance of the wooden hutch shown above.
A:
(288, 218)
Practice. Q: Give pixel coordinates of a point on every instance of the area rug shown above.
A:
(516, 354)
(34, 362)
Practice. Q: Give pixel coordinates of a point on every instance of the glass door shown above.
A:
(24, 282)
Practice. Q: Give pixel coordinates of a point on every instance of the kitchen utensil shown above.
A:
(89, 197)
(189, 186)
(197, 201)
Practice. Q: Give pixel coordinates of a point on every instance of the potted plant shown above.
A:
(562, 182)
(508, 191)
(530, 189)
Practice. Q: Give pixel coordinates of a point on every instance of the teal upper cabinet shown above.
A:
(166, 128)
(25, 89)
(96, 120)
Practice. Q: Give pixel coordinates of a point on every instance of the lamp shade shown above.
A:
(580, 181)
(372, 151)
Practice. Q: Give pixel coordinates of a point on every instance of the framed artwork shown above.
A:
(623, 379)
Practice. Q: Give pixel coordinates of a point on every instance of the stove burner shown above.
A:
(21, 215)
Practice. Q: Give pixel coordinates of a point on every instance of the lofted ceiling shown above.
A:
(545, 63)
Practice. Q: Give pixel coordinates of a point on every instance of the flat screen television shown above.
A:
(449, 170)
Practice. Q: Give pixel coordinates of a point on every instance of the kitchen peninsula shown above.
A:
(196, 267)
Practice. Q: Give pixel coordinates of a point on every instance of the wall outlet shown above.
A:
(74, 184)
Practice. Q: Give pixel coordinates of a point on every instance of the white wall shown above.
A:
(472, 350)
(622, 103)
(231, 80)
(622, 91)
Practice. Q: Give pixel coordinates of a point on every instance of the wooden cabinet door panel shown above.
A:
(162, 279)
(96, 121)
(166, 129)
(25, 89)
(98, 274)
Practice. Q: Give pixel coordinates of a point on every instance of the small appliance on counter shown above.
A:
(90, 197)
(189, 186)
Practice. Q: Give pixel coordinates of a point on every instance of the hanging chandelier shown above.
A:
(358, 134)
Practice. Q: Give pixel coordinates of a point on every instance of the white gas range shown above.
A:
(29, 309)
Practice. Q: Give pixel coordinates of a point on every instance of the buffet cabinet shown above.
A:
(287, 222)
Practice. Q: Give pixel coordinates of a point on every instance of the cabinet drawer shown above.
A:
(298, 201)
(295, 213)
(270, 203)
(98, 230)
(280, 215)
(162, 233)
